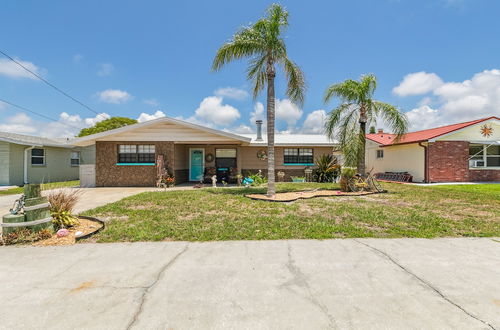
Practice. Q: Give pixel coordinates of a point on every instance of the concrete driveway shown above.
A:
(89, 199)
(296, 284)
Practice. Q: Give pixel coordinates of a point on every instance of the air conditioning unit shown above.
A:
(478, 163)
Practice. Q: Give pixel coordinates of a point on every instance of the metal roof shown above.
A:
(423, 135)
(30, 140)
(293, 140)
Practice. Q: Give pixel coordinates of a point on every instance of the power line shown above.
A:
(48, 83)
(38, 114)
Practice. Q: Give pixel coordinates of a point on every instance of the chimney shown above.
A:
(380, 131)
(259, 130)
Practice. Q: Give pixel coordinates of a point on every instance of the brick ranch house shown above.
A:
(461, 152)
(127, 156)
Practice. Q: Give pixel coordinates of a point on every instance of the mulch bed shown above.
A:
(293, 196)
(88, 226)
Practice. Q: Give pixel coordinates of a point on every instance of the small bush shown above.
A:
(62, 202)
(327, 169)
(258, 178)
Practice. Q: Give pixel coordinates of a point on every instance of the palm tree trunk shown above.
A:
(362, 140)
(271, 188)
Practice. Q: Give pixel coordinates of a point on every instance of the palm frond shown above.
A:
(245, 43)
(296, 86)
(392, 116)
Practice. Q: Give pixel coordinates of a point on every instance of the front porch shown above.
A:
(199, 162)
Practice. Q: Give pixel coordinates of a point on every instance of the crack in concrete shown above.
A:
(424, 282)
(300, 279)
(148, 288)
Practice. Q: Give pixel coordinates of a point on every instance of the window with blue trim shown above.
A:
(298, 156)
(131, 153)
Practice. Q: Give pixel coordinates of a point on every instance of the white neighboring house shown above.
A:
(460, 152)
(34, 159)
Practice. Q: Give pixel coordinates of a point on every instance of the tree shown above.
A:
(264, 44)
(106, 125)
(357, 109)
(372, 130)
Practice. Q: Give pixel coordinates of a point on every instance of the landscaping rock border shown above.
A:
(92, 233)
(308, 194)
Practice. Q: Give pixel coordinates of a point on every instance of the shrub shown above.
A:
(327, 169)
(62, 202)
(258, 178)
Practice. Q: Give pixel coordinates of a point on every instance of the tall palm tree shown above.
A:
(264, 44)
(357, 109)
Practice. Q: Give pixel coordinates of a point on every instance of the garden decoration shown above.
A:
(214, 181)
(357, 183)
(281, 176)
(262, 154)
(209, 158)
(247, 182)
(31, 210)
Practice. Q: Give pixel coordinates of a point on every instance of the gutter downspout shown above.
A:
(25, 165)
(426, 162)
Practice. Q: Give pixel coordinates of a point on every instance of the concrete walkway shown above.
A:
(89, 198)
(296, 284)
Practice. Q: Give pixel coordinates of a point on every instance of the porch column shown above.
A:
(238, 159)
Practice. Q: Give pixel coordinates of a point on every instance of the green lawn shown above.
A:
(45, 186)
(225, 214)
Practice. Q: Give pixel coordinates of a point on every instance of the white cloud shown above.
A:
(146, 117)
(242, 129)
(213, 111)
(423, 117)
(418, 83)
(231, 93)
(314, 123)
(455, 102)
(77, 58)
(151, 102)
(19, 123)
(105, 69)
(67, 125)
(287, 111)
(10, 69)
(94, 120)
(114, 96)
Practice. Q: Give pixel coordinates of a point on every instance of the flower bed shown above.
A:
(293, 196)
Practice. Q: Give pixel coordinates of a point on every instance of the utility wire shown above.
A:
(38, 114)
(48, 83)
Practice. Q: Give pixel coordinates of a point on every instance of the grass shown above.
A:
(225, 214)
(45, 186)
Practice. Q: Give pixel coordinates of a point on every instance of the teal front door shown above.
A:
(196, 164)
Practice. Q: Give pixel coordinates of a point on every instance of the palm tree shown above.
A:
(357, 110)
(263, 43)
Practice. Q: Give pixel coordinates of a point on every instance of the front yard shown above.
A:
(225, 214)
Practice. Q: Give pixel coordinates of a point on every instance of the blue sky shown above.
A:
(436, 59)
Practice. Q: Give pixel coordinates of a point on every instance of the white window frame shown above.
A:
(379, 153)
(43, 157)
(71, 158)
(484, 157)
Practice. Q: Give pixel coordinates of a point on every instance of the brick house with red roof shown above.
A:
(460, 152)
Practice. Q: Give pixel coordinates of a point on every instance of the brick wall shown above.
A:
(484, 175)
(448, 161)
(108, 174)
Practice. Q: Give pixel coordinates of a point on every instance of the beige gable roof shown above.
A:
(162, 129)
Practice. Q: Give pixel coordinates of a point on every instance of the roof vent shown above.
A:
(259, 130)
